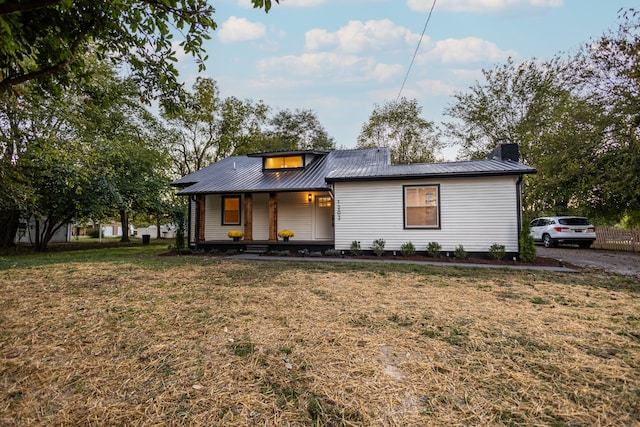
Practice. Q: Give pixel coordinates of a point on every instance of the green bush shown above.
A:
(528, 251)
(496, 251)
(355, 248)
(459, 252)
(94, 233)
(378, 247)
(434, 249)
(408, 249)
(332, 252)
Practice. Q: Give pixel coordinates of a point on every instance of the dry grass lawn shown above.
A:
(199, 341)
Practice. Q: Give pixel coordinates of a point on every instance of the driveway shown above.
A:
(627, 263)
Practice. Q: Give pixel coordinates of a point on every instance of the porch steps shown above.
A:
(256, 249)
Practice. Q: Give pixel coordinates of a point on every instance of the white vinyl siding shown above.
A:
(295, 213)
(261, 216)
(474, 212)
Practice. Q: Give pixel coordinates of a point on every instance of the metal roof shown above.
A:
(433, 170)
(243, 174)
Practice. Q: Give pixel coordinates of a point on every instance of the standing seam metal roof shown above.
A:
(242, 174)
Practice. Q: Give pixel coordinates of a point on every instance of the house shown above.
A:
(28, 230)
(331, 199)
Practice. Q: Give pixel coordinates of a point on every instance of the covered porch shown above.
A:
(259, 217)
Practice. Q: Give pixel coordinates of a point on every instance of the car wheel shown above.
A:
(585, 245)
(548, 241)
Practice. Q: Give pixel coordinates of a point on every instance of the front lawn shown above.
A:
(132, 338)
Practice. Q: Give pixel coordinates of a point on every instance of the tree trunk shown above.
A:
(9, 222)
(124, 222)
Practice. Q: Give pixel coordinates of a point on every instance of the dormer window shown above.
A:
(284, 162)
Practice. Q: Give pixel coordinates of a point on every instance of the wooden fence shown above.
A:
(617, 240)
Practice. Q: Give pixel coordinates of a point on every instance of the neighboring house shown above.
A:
(167, 231)
(333, 198)
(27, 232)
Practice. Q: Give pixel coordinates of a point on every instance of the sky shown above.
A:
(342, 58)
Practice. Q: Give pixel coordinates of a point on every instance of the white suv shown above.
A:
(555, 230)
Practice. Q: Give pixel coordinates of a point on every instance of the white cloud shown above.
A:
(358, 36)
(480, 5)
(336, 66)
(385, 72)
(436, 88)
(469, 49)
(237, 29)
(313, 63)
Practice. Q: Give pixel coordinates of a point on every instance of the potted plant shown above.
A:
(235, 235)
(285, 234)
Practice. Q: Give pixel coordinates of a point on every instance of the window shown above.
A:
(324, 201)
(421, 206)
(230, 210)
(283, 162)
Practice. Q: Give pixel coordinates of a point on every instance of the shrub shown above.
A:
(355, 248)
(94, 233)
(459, 252)
(496, 251)
(434, 249)
(408, 249)
(332, 252)
(378, 247)
(527, 245)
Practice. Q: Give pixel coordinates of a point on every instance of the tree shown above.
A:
(50, 37)
(127, 143)
(516, 103)
(297, 130)
(207, 128)
(398, 125)
(85, 153)
(609, 72)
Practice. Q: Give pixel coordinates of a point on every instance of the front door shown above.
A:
(323, 218)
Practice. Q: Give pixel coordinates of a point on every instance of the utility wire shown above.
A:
(416, 51)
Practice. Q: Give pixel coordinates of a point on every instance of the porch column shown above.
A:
(273, 216)
(248, 216)
(200, 216)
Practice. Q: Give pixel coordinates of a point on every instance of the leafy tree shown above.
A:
(128, 144)
(207, 128)
(85, 153)
(298, 130)
(48, 174)
(398, 125)
(515, 104)
(609, 71)
(49, 37)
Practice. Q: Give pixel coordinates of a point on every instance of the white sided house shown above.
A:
(330, 199)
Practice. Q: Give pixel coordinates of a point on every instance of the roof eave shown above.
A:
(429, 176)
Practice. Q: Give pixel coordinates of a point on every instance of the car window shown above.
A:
(574, 221)
(535, 222)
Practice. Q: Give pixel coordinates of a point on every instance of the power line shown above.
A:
(416, 51)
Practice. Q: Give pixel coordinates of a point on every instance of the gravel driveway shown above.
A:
(627, 263)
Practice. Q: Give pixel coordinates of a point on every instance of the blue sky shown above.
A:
(339, 58)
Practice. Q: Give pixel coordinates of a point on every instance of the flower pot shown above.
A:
(236, 239)
(286, 239)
